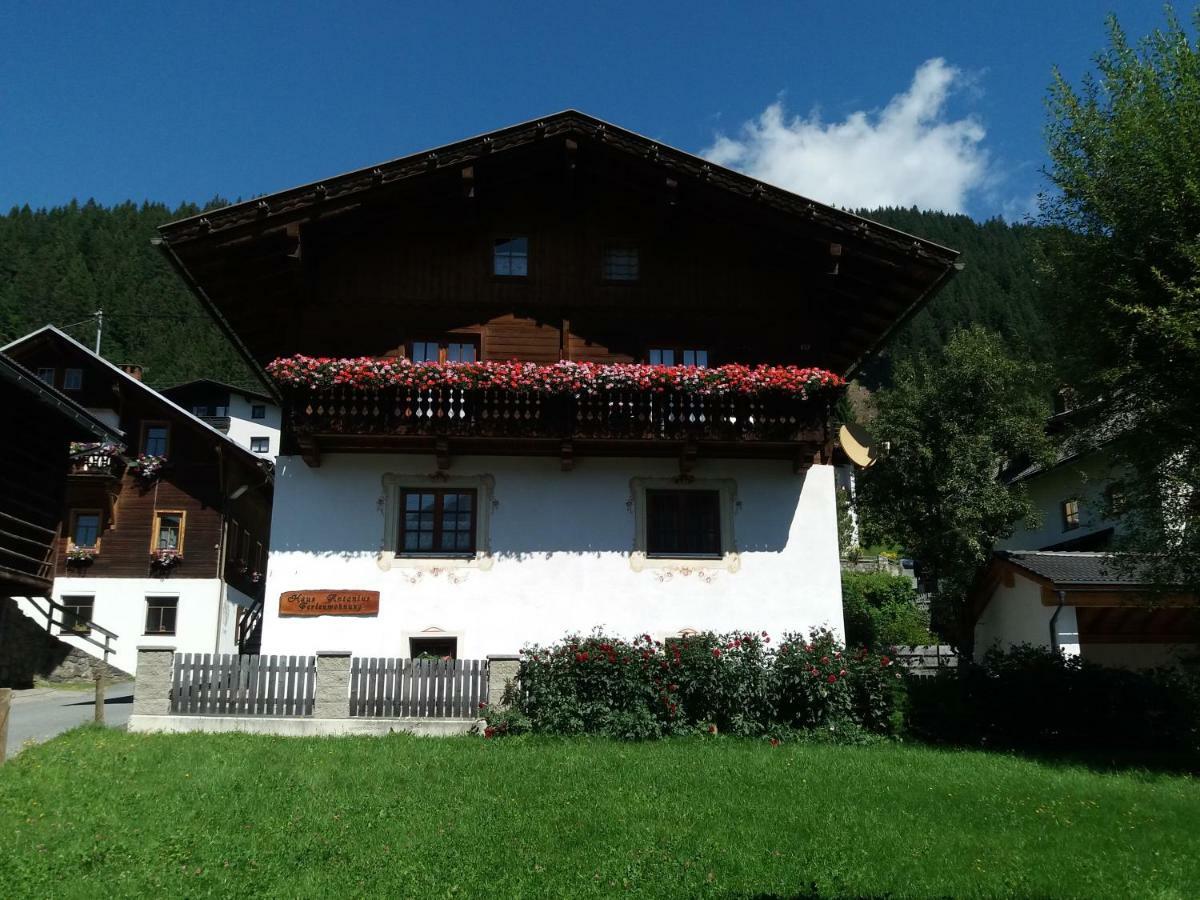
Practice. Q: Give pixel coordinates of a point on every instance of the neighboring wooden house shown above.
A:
(248, 416)
(1080, 603)
(490, 506)
(164, 542)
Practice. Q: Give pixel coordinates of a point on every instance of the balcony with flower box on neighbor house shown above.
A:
(565, 409)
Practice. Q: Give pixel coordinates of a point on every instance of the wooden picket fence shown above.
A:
(431, 688)
(229, 684)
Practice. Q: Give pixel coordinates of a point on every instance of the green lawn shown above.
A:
(102, 813)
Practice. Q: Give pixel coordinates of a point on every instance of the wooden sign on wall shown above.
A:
(329, 603)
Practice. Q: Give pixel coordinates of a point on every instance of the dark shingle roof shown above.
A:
(1070, 567)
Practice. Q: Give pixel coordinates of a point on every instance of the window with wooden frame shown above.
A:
(1070, 515)
(72, 379)
(156, 438)
(46, 375)
(160, 614)
(620, 263)
(452, 348)
(510, 256)
(436, 521)
(683, 523)
(77, 613)
(677, 356)
(168, 531)
(85, 528)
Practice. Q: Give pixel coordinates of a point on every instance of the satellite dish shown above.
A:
(858, 444)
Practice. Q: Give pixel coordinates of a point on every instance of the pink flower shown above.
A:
(832, 679)
(716, 653)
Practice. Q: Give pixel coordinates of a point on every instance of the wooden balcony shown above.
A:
(95, 463)
(445, 421)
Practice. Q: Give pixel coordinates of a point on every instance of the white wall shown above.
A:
(120, 607)
(242, 427)
(1085, 478)
(561, 545)
(1015, 615)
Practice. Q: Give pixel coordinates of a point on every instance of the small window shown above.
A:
(258, 410)
(433, 648)
(85, 529)
(200, 411)
(620, 264)
(160, 614)
(260, 444)
(168, 531)
(683, 523)
(46, 375)
(1070, 515)
(671, 356)
(437, 522)
(455, 349)
(72, 379)
(510, 257)
(155, 438)
(77, 615)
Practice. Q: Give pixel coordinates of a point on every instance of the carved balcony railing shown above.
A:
(94, 462)
(332, 417)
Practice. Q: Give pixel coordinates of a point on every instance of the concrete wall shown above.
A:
(1086, 479)
(242, 427)
(1015, 615)
(561, 555)
(201, 625)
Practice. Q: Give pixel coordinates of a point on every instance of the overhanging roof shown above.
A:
(197, 245)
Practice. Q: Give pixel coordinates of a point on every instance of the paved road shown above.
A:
(39, 714)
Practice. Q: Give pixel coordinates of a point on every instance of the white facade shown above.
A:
(1015, 615)
(244, 428)
(206, 614)
(558, 554)
(1085, 479)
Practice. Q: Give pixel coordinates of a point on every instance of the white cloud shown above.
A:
(909, 153)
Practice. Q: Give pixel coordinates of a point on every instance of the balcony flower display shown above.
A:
(562, 378)
(80, 556)
(147, 466)
(165, 560)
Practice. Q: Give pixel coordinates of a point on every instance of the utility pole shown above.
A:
(99, 328)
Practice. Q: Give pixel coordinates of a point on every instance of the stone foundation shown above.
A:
(27, 652)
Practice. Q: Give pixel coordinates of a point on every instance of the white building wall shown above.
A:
(1086, 479)
(561, 561)
(120, 607)
(1015, 615)
(242, 427)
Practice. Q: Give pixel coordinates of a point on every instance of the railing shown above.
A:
(93, 464)
(72, 625)
(229, 684)
(927, 660)
(431, 688)
(221, 423)
(631, 414)
(27, 551)
(249, 621)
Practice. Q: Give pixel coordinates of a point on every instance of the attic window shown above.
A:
(72, 379)
(46, 376)
(510, 257)
(1070, 515)
(258, 411)
(620, 263)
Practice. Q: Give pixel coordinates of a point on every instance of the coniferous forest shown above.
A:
(58, 266)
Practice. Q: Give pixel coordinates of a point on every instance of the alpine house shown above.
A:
(553, 377)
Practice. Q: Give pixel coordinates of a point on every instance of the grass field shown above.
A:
(102, 813)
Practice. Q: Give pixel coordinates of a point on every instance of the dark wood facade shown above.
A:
(33, 476)
(202, 471)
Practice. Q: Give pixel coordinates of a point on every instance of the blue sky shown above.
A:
(178, 101)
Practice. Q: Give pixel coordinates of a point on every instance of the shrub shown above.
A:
(881, 611)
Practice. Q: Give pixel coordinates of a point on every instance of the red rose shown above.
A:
(716, 652)
(832, 679)
(884, 661)
(774, 742)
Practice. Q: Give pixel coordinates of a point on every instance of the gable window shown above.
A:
(1070, 515)
(683, 523)
(678, 356)
(72, 379)
(200, 411)
(160, 614)
(258, 410)
(155, 438)
(46, 375)
(85, 529)
(168, 531)
(620, 263)
(77, 613)
(260, 444)
(460, 348)
(437, 520)
(510, 257)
